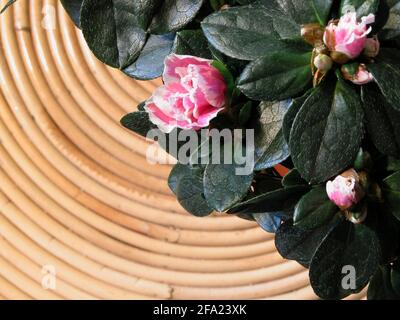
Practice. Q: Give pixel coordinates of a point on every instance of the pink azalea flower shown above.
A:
(345, 190)
(192, 95)
(348, 36)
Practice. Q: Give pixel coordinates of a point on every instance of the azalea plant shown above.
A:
(316, 83)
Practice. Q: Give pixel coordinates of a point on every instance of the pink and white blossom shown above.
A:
(192, 95)
(345, 190)
(348, 36)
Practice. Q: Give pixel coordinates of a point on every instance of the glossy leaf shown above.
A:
(150, 63)
(259, 31)
(269, 222)
(193, 43)
(73, 8)
(276, 76)
(190, 194)
(174, 15)
(176, 174)
(391, 30)
(293, 178)
(327, 132)
(348, 248)
(383, 122)
(291, 114)
(314, 209)
(386, 72)
(391, 192)
(7, 5)
(115, 29)
(362, 7)
(301, 11)
(223, 186)
(138, 122)
(270, 145)
(297, 244)
(272, 201)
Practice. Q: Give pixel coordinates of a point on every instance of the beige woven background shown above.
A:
(78, 196)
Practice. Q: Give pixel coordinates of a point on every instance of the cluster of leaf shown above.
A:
(315, 132)
(318, 132)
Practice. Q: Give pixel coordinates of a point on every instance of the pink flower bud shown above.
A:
(360, 76)
(345, 190)
(348, 36)
(192, 95)
(372, 47)
(323, 63)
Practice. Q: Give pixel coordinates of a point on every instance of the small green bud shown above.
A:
(323, 63)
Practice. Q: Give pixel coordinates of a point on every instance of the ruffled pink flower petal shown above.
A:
(349, 36)
(192, 95)
(176, 66)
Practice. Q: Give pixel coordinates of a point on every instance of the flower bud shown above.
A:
(345, 190)
(357, 73)
(323, 63)
(312, 33)
(372, 47)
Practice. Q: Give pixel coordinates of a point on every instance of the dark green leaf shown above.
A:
(392, 28)
(301, 11)
(346, 246)
(73, 8)
(269, 222)
(9, 3)
(291, 114)
(293, 178)
(362, 7)
(245, 2)
(174, 15)
(115, 29)
(276, 76)
(245, 113)
(322, 9)
(138, 122)
(150, 63)
(314, 209)
(224, 185)
(192, 43)
(276, 152)
(383, 122)
(177, 173)
(273, 201)
(294, 243)
(380, 287)
(257, 32)
(395, 278)
(229, 80)
(391, 192)
(393, 164)
(386, 72)
(141, 106)
(270, 146)
(327, 132)
(189, 191)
